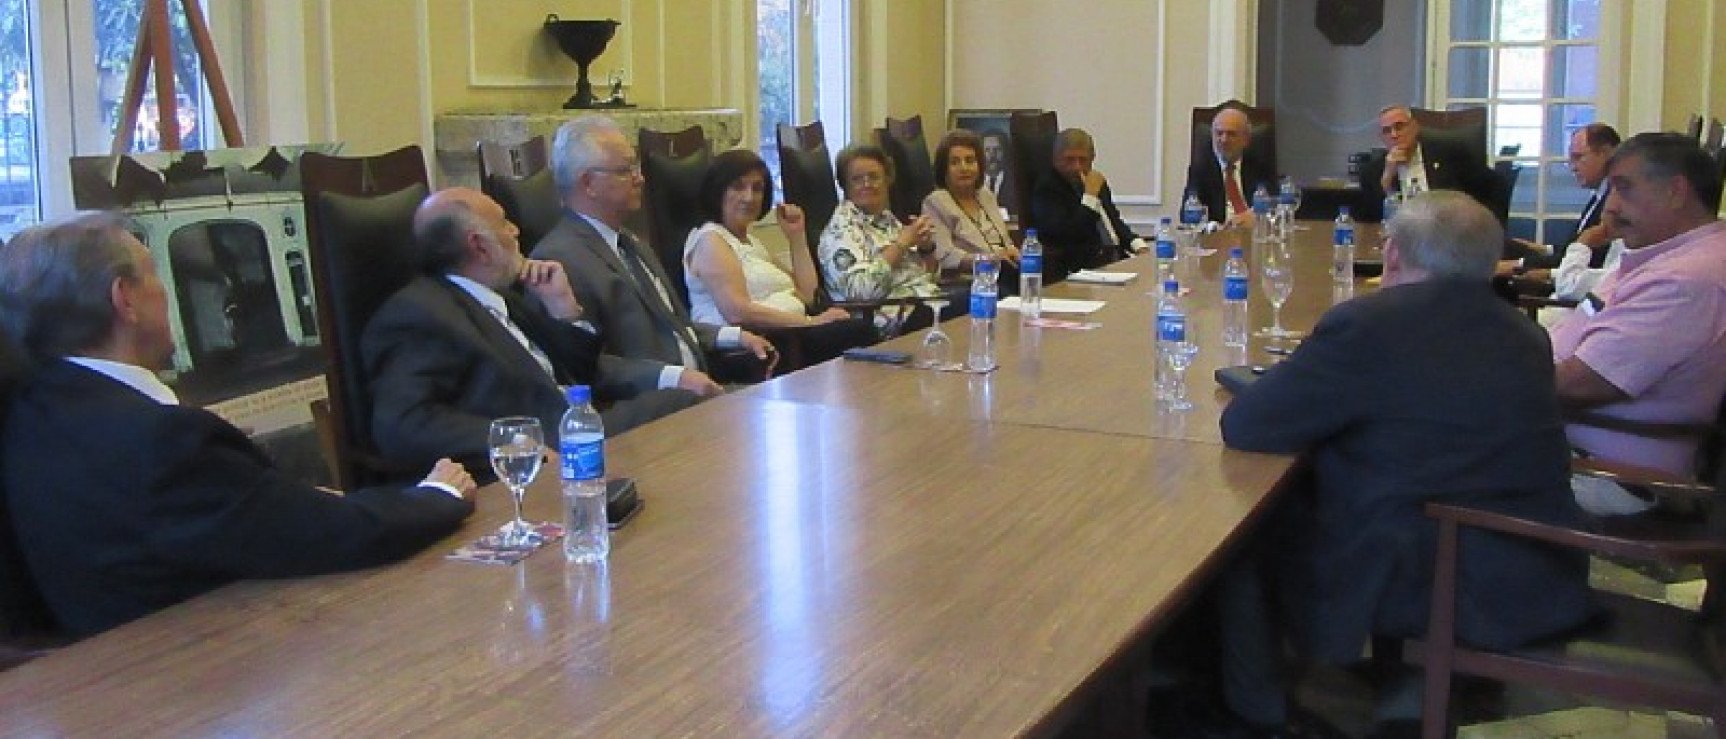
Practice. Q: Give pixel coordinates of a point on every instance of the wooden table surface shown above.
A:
(848, 551)
(1096, 380)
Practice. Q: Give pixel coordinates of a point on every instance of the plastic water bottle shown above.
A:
(981, 356)
(1171, 329)
(1031, 276)
(1236, 283)
(1165, 250)
(1342, 249)
(581, 439)
(1391, 203)
(1192, 212)
(1264, 230)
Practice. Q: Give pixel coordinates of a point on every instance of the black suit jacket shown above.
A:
(124, 506)
(1205, 177)
(1448, 167)
(441, 367)
(1392, 415)
(1069, 231)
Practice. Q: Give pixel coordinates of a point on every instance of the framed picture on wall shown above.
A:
(991, 124)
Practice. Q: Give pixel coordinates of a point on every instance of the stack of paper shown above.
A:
(1102, 278)
(1056, 305)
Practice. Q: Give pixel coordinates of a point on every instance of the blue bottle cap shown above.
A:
(579, 395)
(1342, 210)
(1235, 252)
(1171, 286)
(1030, 233)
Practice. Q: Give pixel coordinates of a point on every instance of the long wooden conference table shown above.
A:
(850, 550)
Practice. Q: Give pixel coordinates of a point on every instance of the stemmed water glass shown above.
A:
(1180, 357)
(517, 446)
(937, 349)
(1276, 274)
(1290, 197)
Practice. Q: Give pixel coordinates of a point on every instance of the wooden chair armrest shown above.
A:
(1658, 482)
(1670, 551)
(1531, 301)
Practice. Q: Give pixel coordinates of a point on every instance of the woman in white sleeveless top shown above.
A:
(733, 279)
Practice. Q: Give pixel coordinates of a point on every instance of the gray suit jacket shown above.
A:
(638, 328)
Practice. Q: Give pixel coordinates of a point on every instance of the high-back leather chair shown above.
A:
(913, 171)
(1465, 127)
(1033, 158)
(26, 624)
(673, 164)
(1694, 130)
(359, 224)
(806, 168)
(518, 177)
(1263, 148)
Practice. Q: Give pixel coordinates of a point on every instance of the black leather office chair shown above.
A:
(518, 177)
(806, 174)
(673, 165)
(1033, 158)
(359, 225)
(914, 172)
(27, 627)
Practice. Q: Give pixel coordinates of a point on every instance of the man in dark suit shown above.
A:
(124, 502)
(619, 281)
(460, 346)
(1074, 212)
(1414, 164)
(1226, 180)
(1392, 416)
(1591, 147)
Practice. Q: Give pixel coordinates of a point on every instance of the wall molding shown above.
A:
(486, 80)
(326, 16)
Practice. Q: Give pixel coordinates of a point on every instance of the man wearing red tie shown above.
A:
(1225, 180)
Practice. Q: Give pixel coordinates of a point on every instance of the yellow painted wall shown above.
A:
(1695, 72)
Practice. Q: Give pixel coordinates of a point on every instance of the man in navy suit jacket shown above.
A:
(1392, 415)
(1413, 163)
(124, 502)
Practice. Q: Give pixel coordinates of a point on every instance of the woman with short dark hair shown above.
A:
(865, 253)
(965, 215)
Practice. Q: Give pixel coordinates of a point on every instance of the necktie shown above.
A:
(686, 343)
(1232, 185)
(521, 338)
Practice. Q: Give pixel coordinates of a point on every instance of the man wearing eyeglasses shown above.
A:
(1413, 164)
(616, 277)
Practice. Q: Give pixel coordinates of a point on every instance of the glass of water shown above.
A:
(937, 349)
(1180, 356)
(1290, 196)
(517, 447)
(1276, 274)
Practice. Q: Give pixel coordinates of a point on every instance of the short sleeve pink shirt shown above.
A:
(1660, 338)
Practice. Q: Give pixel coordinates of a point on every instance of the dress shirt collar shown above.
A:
(605, 232)
(1635, 258)
(132, 376)
(1224, 164)
(486, 296)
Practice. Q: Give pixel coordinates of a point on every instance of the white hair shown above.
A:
(574, 150)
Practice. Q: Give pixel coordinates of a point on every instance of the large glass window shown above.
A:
(115, 28)
(1534, 64)
(803, 67)
(19, 200)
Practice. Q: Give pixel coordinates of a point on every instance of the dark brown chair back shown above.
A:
(1465, 127)
(1694, 130)
(359, 224)
(518, 177)
(673, 164)
(806, 168)
(24, 616)
(1263, 148)
(1033, 158)
(913, 172)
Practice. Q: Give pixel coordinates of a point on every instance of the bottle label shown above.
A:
(1030, 264)
(1190, 215)
(584, 460)
(1234, 288)
(1165, 249)
(1344, 236)
(982, 305)
(1172, 328)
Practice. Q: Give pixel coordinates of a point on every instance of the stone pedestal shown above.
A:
(459, 132)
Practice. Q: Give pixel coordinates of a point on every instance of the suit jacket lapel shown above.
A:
(491, 334)
(590, 239)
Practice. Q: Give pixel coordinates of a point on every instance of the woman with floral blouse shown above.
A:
(865, 253)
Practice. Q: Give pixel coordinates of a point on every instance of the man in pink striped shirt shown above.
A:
(1649, 343)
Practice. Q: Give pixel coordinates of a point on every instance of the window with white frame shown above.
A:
(803, 70)
(62, 76)
(1535, 65)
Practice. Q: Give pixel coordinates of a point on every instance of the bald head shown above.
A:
(1231, 132)
(463, 231)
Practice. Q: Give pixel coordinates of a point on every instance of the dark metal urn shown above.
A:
(582, 41)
